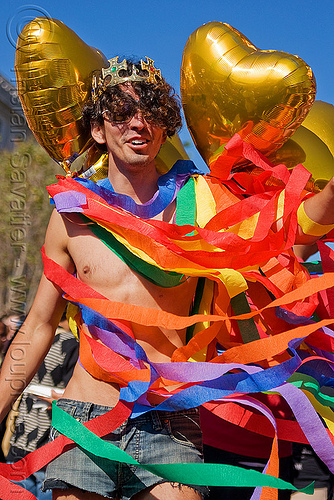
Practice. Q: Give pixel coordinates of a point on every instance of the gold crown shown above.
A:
(110, 76)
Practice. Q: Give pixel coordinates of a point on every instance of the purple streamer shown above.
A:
(69, 201)
(310, 422)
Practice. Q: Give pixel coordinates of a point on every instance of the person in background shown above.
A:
(33, 411)
(307, 466)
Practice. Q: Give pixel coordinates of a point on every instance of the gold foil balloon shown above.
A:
(54, 71)
(171, 151)
(320, 121)
(312, 145)
(228, 85)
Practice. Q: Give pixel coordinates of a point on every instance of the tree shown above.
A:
(24, 213)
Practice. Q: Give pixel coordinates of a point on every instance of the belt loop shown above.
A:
(86, 411)
(156, 420)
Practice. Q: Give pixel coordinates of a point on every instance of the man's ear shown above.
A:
(98, 133)
(164, 137)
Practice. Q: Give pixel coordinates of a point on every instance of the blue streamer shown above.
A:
(167, 190)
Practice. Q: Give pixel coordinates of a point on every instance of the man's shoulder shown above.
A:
(60, 221)
(57, 238)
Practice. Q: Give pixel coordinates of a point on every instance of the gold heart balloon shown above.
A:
(228, 85)
(312, 145)
(54, 73)
(320, 121)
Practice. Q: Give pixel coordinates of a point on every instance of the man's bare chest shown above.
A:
(105, 271)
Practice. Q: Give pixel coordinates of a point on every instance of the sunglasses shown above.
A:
(123, 109)
(123, 112)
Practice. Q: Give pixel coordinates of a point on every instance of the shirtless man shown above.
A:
(133, 139)
(132, 119)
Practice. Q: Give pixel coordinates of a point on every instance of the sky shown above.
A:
(160, 30)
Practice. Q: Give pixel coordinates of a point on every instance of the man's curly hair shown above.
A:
(158, 101)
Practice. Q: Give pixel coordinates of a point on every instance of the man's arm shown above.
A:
(35, 337)
(320, 209)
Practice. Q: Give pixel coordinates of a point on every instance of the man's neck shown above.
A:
(140, 183)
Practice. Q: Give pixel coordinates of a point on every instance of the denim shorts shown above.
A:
(155, 437)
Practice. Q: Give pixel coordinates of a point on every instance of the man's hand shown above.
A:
(320, 209)
(54, 396)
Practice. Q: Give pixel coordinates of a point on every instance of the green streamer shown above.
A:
(247, 327)
(185, 214)
(184, 473)
(195, 308)
(150, 272)
(313, 267)
(186, 205)
(311, 385)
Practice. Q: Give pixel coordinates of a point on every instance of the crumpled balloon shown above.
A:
(54, 73)
(312, 145)
(230, 86)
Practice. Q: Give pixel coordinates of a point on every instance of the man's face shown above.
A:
(134, 143)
